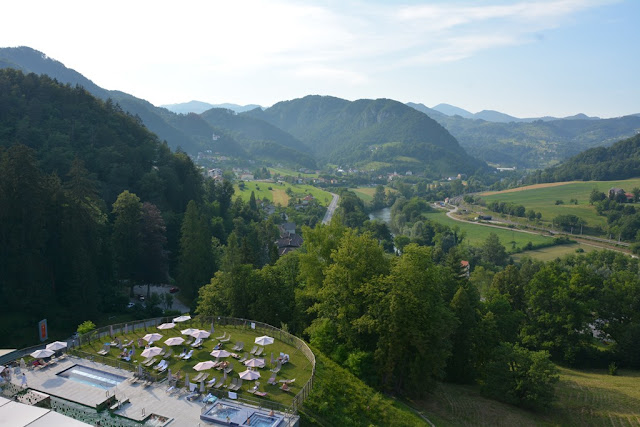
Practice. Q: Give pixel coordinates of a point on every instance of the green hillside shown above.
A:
(364, 131)
(277, 192)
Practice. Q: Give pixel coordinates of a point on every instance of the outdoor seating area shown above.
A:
(212, 363)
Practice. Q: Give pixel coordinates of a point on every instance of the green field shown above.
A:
(553, 252)
(290, 172)
(591, 398)
(541, 198)
(278, 194)
(366, 193)
(476, 234)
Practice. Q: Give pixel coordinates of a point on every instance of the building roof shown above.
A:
(17, 414)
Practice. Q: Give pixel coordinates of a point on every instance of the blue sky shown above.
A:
(525, 58)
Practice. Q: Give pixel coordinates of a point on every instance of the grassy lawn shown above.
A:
(278, 194)
(477, 234)
(591, 398)
(553, 252)
(298, 367)
(542, 197)
(290, 172)
(366, 193)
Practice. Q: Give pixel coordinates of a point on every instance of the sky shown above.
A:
(525, 58)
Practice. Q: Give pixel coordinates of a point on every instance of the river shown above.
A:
(383, 215)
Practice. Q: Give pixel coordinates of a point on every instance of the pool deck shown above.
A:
(148, 400)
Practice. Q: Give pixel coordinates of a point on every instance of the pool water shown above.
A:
(260, 420)
(93, 377)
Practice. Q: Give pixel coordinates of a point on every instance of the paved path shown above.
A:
(331, 209)
(160, 289)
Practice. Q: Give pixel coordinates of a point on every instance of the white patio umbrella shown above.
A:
(220, 353)
(249, 375)
(255, 363)
(203, 366)
(182, 318)
(200, 334)
(264, 340)
(151, 352)
(188, 331)
(152, 337)
(38, 354)
(174, 341)
(2, 368)
(167, 326)
(57, 345)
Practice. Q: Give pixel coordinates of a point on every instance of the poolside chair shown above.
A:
(227, 339)
(129, 344)
(229, 368)
(211, 382)
(254, 388)
(272, 379)
(163, 352)
(197, 377)
(288, 381)
(222, 337)
(168, 353)
(204, 377)
(160, 365)
(151, 362)
(220, 384)
(183, 354)
(238, 346)
(105, 349)
(277, 368)
(188, 341)
(197, 343)
(237, 386)
(260, 393)
(259, 352)
(285, 387)
(244, 357)
(188, 355)
(234, 383)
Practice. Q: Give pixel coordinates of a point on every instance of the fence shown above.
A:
(151, 324)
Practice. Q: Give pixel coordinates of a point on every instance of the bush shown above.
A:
(613, 369)
(559, 202)
(86, 326)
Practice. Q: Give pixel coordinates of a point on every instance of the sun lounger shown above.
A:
(105, 349)
(151, 362)
(181, 355)
(272, 379)
(227, 339)
(129, 344)
(238, 346)
(237, 386)
(234, 382)
(197, 343)
(222, 337)
(244, 357)
(277, 368)
(259, 352)
(285, 387)
(197, 377)
(162, 353)
(189, 341)
(260, 393)
(168, 353)
(229, 368)
(254, 349)
(188, 355)
(211, 382)
(288, 381)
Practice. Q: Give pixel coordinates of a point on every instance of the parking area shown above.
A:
(160, 290)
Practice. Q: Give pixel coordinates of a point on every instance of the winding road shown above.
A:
(331, 209)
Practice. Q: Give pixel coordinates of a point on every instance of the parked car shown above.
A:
(140, 297)
(131, 305)
(173, 290)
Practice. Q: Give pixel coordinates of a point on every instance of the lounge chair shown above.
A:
(161, 366)
(277, 368)
(259, 352)
(188, 355)
(151, 362)
(234, 383)
(163, 352)
(168, 353)
(204, 377)
(254, 349)
(229, 368)
(260, 393)
(194, 393)
(105, 349)
(254, 388)
(220, 384)
(237, 386)
(272, 379)
(244, 357)
(147, 360)
(238, 347)
(221, 337)
(129, 344)
(211, 382)
(197, 343)
(227, 339)
(288, 381)
(188, 341)
(285, 387)
(181, 355)
(197, 377)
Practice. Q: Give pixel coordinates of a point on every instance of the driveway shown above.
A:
(161, 289)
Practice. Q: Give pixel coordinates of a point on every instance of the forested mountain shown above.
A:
(188, 132)
(370, 134)
(620, 161)
(532, 144)
(199, 107)
(66, 158)
(260, 138)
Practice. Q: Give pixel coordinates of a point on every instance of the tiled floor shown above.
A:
(143, 400)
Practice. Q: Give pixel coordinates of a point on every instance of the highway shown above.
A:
(331, 209)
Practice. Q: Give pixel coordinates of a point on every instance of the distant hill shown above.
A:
(379, 134)
(620, 161)
(452, 110)
(531, 143)
(199, 107)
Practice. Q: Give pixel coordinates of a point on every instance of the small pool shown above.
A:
(221, 412)
(260, 420)
(93, 377)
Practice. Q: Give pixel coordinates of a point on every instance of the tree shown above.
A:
(195, 262)
(493, 252)
(85, 327)
(521, 377)
(379, 198)
(127, 210)
(153, 255)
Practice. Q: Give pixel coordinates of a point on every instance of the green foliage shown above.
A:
(521, 377)
(196, 263)
(493, 253)
(86, 327)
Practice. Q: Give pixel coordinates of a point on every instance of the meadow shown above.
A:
(553, 252)
(542, 198)
(476, 234)
(278, 193)
(291, 172)
(583, 397)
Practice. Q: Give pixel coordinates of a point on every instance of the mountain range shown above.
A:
(377, 134)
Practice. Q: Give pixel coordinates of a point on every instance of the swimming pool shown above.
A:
(93, 377)
(221, 412)
(260, 420)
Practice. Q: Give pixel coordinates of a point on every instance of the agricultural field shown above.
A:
(290, 172)
(278, 194)
(366, 193)
(584, 397)
(542, 198)
(476, 234)
(553, 252)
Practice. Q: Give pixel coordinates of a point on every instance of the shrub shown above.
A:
(613, 368)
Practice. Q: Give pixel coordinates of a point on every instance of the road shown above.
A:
(160, 289)
(585, 241)
(331, 209)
